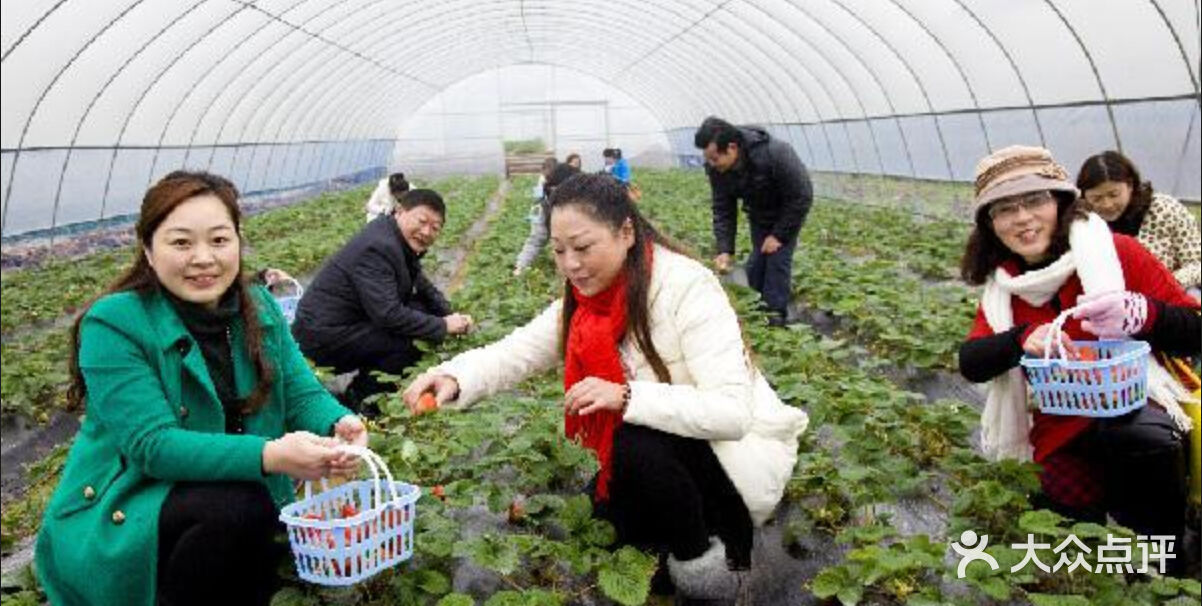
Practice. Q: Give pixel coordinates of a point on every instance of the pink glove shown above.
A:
(1114, 314)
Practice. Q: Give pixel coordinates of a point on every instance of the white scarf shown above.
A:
(1005, 422)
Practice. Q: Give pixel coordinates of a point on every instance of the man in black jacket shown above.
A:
(747, 163)
(370, 301)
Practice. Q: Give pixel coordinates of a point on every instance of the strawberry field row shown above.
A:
(512, 513)
(873, 446)
(296, 238)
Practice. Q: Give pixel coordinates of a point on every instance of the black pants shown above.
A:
(670, 494)
(365, 348)
(771, 275)
(217, 545)
(1139, 460)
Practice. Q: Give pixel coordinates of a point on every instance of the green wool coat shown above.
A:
(152, 419)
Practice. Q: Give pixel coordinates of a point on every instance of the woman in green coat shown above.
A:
(199, 410)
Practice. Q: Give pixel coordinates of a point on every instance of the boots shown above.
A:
(705, 579)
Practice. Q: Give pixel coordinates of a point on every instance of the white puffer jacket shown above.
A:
(381, 201)
(715, 393)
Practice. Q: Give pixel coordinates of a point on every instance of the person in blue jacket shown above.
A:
(616, 165)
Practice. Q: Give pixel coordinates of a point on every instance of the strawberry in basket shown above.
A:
(1087, 353)
(367, 526)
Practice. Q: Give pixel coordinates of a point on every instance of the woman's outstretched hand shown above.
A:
(444, 388)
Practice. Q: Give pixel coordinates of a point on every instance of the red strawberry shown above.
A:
(517, 510)
(427, 403)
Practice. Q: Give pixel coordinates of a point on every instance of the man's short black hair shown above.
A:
(718, 131)
(423, 197)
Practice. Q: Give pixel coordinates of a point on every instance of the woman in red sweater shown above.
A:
(1036, 254)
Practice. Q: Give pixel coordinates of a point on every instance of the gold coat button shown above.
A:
(89, 493)
(118, 517)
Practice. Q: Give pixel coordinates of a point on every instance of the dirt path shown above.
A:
(909, 516)
(450, 274)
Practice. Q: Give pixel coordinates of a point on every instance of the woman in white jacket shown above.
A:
(384, 197)
(694, 445)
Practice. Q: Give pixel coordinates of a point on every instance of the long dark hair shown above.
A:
(985, 251)
(605, 199)
(1113, 166)
(160, 201)
(397, 184)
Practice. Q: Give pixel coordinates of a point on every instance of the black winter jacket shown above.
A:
(375, 279)
(773, 184)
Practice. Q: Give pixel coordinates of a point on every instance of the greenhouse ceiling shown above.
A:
(99, 96)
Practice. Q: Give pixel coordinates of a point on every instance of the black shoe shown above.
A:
(661, 581)
(360, 390)
(777, 322)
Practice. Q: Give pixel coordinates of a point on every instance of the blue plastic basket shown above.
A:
(335, 551)
(288, 303)
(1113, 385)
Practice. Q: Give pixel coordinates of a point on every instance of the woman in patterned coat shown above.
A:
(1111, 186)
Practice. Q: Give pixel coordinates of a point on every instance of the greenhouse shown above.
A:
(756, 302)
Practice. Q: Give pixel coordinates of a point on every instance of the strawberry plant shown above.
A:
(884, 274)
(504, 504)
(505, 460)
(296, 238)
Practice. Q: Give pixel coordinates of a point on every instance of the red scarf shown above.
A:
(597, 327)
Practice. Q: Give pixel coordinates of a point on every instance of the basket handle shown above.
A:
(1052, 339)
(375, 463)
(296, 285)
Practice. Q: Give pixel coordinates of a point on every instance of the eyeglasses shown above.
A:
(1007, 209)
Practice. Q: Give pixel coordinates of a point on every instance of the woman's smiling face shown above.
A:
(1025, 223)
(196, 251)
